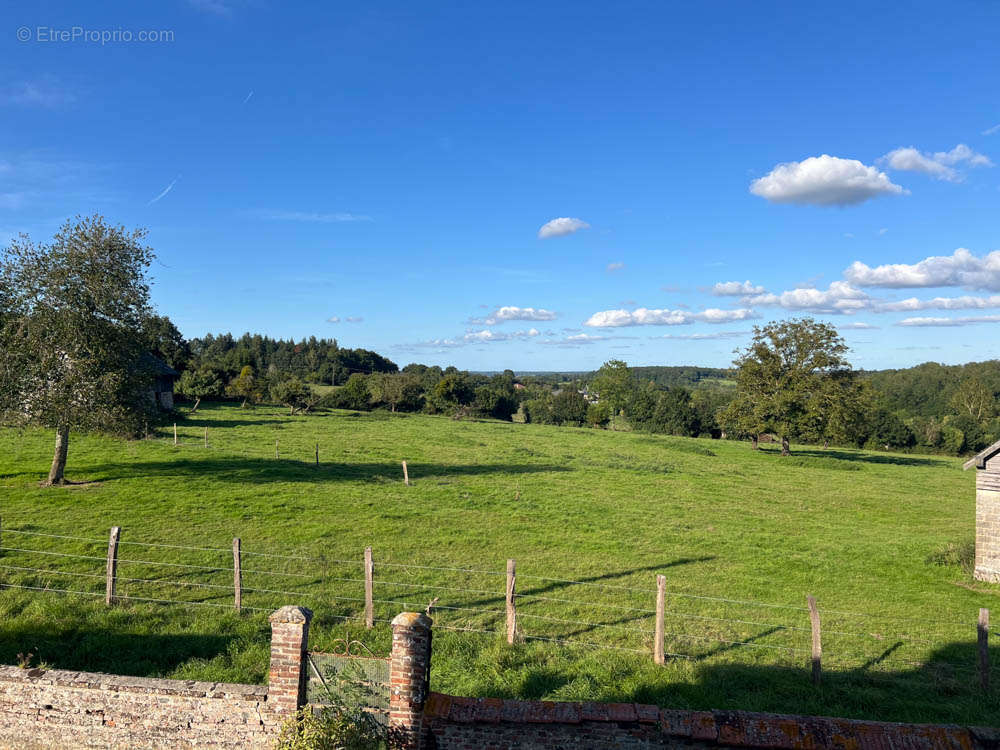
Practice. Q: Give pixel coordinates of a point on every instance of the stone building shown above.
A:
(987, 465)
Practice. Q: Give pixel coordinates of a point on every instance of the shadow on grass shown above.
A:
(107, 650)
(895, 459)
(262, 471)
(194, 421)
(945, 689)
(553, 585)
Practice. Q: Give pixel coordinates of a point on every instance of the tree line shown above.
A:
(77, 329)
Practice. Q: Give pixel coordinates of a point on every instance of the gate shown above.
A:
(352, 678)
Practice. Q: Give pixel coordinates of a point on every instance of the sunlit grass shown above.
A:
(871, 535)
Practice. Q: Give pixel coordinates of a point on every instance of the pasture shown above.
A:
(591, 518)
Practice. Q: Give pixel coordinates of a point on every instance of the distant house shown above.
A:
(163, 377)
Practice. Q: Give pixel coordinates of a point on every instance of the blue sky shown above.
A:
(527, 185)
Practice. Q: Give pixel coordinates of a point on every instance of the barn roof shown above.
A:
(980, 459)
(156, 366)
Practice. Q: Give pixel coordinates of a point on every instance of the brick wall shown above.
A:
(491, 724)
(63, 709)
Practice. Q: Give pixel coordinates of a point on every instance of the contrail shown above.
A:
(166, 190)
(248, 96)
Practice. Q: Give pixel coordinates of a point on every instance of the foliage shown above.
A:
(246, 387)
(613, 384)
(452, 391)
(399, 391)
(794, 372)
(166, 342)
(569, 407)
(354, 395)
(296, 395)
(344, 724)
(73, 321)
(198, 384)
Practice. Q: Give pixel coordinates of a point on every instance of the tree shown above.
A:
(613, 383)
(974, 399)
(781, 372)
(674, 414)
(245, 386)
(294, 394)
(396, 390)
(73, 318)
(199, 384)
(452, 391)
(166, 342)
(570, 406)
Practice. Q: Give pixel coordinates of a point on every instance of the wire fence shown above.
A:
(480, 602)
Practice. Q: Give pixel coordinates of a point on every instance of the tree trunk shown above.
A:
(753, 443)
(59, 458)
(784, 446)
(197, 401)
(244, 404)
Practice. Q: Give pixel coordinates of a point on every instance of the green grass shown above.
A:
(880, 539)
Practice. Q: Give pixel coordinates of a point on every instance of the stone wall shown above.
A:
(988, 522)
(491, 724)
(63, 709)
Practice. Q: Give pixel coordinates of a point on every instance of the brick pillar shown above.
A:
(286, 685)
(409, 677)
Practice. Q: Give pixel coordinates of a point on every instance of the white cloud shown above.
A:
(992, 131)
(561, 227)
(856, 326)
(948, 322)
(313, 216)
(214, 7)
(824, 181)
(703, 336)
(839, 298)
(616, 266)
(349, 319)
(46, 92)
(512, 312)
(941, 303)
(165, 190)
(487, 335)
(646, 317)
(962, 268)
(736, 289)
(939, 165)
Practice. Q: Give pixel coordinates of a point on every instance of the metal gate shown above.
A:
(352, 678)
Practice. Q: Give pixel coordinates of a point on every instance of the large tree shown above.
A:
(73, 323)
(791, 369)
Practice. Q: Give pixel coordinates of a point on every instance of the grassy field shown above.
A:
(591, 518)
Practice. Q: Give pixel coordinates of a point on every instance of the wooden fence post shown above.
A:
(406, 475)
(175, 433)
(369, 590)
(112, 570)
(275, 448)
(511, 607)
(237, 574)
(817, 643)
(317, 455)
(206, 436)
(661, 603)
(983, 630)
